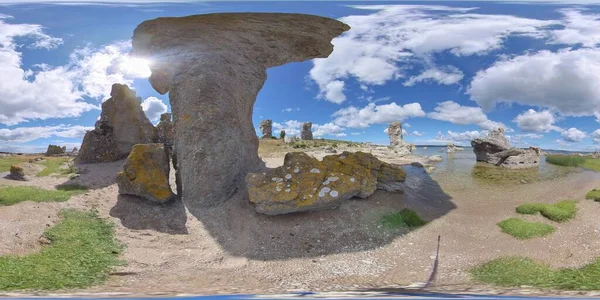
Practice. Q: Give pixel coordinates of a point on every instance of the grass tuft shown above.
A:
(522, 229)
(72, 187)
(558, 212)
(54, 165)
(566, 160)
(517, 271)
(82, 252)
(402, 219)
(14, 194)
(593, 195)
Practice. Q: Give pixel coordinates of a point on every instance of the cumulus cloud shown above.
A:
(464, 136)
(354, 117)
(533, 121)
(294, 127)
(28, 134)
(565, 81)
(154, 107)
(417, 133)
(579, 28)
(44, 91)
(327, 129)
(596, 136)
(573, 135)
(381, 46)
(464, 115)
(534, 136)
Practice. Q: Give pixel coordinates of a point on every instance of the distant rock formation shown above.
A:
(122, 124)
(495, 149)
(306, 133)
(266, 129)
(54, 150)
(166, 135)
(213, 66)
(304, 183)
(399, 146)
(451, 148)
(146, 174)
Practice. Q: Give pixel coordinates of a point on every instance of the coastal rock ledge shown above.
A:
(495, 149)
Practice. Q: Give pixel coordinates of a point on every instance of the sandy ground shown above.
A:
(232, 249)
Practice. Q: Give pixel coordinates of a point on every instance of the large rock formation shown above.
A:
(54, 150)
(399, 146)
(266, 129)
(213, 66)
(495, 149)
(122, 124)
(146, 174)
(304, 183)
(306, 133)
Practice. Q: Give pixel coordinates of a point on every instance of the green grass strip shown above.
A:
(593, 195)
(522, 229)
(10, 195)
(54, 166)
(558, 212)
(82, 253)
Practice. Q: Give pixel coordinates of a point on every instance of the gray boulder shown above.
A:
(306, 133)
(213, 66)
(495, 149)
(266, 129)
(122, 124)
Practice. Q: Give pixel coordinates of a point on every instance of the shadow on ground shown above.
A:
(354, 226)
(137, 213)
(96, 176)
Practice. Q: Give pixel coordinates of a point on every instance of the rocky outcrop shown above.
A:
(122, 124)
(451, 148)
(213, 66)
(399, 146)
(306, 133)
(495, 149)
(54, 150)
(304, 183)
(146, 174)
(266, 129)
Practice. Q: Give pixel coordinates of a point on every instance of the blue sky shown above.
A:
(450, 71)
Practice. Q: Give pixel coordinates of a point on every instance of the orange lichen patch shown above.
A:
(16, 169)
(145, 171)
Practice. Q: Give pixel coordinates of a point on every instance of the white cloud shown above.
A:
(28, 134)
(44, 91)
(354, 133)
(291, 127)
(573, 135)
(533, 121)
(381, 45)
(534, 136)
(154, 107)
(327, 129)
(417, 133)
(464, 136)
(464, 115)
(354, 117)
(567, 81)
(596, 136)
(406, 125)
(578, 28)
(294, 127)
(289, 109)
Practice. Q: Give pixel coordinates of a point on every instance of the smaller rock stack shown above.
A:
(306, 133)
(266, 128)
(400, 147)
(495, 149)
(166, 133)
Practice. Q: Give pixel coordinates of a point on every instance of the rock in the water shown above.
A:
(435, 158)
(122, 124)
(306, 133)
(399, 146)
(213, 66)
(451, 148)
(495, 149)
(304, 183)
(329, 149)
(54, 150)
(146, 174)
(266, 129)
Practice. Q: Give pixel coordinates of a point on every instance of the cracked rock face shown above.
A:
(213, 66)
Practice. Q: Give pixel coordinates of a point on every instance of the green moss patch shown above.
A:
(593, 195)
(558, 212)
(517, 271)
(82, 252)
(10, 195)
(402, 219)
(522, 229)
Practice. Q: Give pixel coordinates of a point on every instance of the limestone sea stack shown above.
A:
(399, 146)
(213, 66)
(495, 149)
(266, 129)
(122, 124)
(306, 133)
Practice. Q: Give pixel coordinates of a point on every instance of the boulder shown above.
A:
(435, 158)
(495, 149)
(306, 133)
(146, 174)
(54, 150)
(304, 183)
(24, 171)
(122, 124)
(17, 173)
(266, 129)
(213, 66)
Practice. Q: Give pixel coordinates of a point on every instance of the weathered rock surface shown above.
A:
(304, 183)
(495, 149)
(399, 146)
(306, 133)
(122, 124)
(266, 129)
(213, 66)
(54, 150)
(146, 174)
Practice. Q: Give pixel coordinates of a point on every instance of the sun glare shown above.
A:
(137, 67)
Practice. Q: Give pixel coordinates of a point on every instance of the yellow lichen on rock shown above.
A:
(146, 173)
(304, 183)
